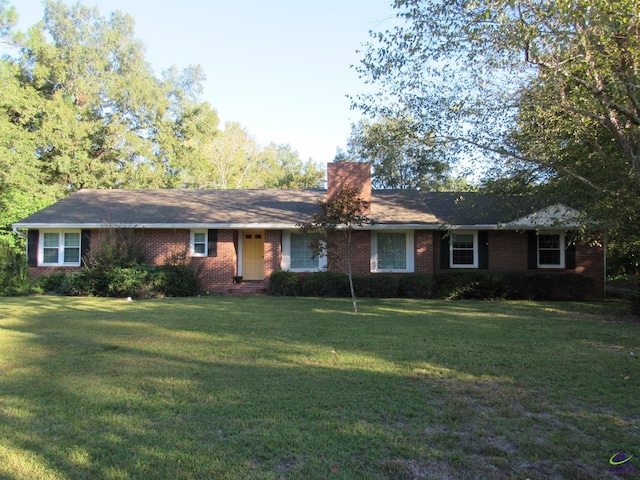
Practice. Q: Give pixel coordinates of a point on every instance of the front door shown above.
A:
(253, 255)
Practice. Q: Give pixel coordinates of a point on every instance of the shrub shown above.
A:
(13, 271)
(175, 280)
(417, 285)
(325, 284)
(452, 285)
(376, 285)
(135, 282)
(119, 248)
(285, 283)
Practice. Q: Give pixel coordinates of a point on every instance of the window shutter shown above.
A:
(85, 244)
(570, 253)
(212, 245)
(32, 247)
(444, 251)
(483, 250)
(532, 250)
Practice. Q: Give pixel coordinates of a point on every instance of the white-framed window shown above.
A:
(297, 254)
(199, 243)
(392, 251)
(59, 247)
(551, 249)
(463, 249)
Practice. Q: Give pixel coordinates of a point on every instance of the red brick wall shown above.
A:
(272, 251)
(507, 251)
(216, 273)
(425, 251)
(350, 174)
(360, 253)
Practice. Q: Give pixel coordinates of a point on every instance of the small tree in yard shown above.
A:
(335, 222)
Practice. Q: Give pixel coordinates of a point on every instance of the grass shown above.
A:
(270, 388)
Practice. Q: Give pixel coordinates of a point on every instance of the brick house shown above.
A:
(243, 236)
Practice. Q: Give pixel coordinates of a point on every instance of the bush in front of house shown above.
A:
(325, 284)
(376, 286)
(284, 283)
(452, 285)
(138, 281)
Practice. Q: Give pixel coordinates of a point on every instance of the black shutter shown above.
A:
(570, 253)
(32, 247)
(483, 250)
(212, 246)
(85, 245)
(444, 251)
(532, 250)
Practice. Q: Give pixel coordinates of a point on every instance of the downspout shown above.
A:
(18, 232)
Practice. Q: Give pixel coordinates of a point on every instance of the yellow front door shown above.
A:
(253, 255)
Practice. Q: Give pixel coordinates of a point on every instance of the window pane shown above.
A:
(463, 257)
(71, 239)
(199, 248)
(50, 240)
(549, 241)
(199, 237)
(71, 255)
(549, 257)
(392, 251)
(301, 253)
(50, 255)
(462, 240)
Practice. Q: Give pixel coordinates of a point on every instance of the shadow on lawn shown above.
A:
(247, 395)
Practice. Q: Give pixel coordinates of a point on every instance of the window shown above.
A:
(551, 251)
(392, 252)
(60, 248)
(297, 255)
(199, 243)
(463, 250)
(301, 253)
(204, 243)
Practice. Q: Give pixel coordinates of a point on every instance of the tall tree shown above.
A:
(288, 170)
(401, 155)
(467, 68)
(23, 186)
(104, 105)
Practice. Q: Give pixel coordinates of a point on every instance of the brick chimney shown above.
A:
(350, 174)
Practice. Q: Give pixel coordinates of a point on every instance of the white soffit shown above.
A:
(554, 216)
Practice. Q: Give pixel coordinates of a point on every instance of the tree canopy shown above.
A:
(547, 90)
(401, 155)
(80, 107)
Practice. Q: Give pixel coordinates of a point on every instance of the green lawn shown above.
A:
(268, 387)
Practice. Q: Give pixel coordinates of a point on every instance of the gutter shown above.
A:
(284, 226)
(18, 232)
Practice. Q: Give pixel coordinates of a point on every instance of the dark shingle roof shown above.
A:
(269, 207)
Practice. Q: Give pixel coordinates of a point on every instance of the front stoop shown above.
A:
(248, 287)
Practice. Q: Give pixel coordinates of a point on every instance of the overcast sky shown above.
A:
(281, 68)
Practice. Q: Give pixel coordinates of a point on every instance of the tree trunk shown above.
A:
(353, 293)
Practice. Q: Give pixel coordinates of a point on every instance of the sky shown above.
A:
(280, 68)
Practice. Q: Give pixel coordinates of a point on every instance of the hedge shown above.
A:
(442, 285)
